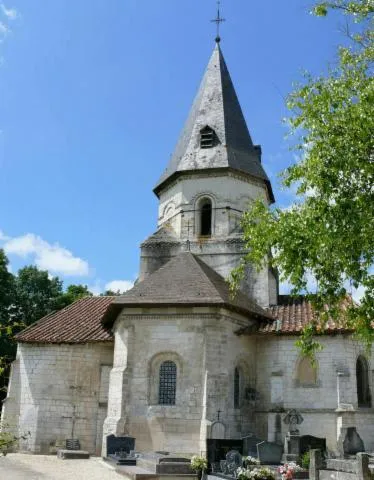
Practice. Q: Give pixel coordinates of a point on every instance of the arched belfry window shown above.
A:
(237, 388)
(208, 137)
(206, 218)
(168, 383)
(362, 378)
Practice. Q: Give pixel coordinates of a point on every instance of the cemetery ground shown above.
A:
(18, 466)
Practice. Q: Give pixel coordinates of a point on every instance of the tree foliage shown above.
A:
(328, 233)
(26, 298)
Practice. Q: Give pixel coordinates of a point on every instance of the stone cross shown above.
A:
(293, 418)
(218, 20)
(74, 417)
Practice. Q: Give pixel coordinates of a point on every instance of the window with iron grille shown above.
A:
(168, 383)
(236, 388)
(207, 138)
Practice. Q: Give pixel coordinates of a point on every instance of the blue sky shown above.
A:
(93, 96)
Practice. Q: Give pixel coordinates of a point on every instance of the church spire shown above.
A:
(215, 135)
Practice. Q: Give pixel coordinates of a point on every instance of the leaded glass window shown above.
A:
(168, 383)
(236, 388)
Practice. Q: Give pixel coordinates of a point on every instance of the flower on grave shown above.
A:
(251, 460)
(262, 473)
(199, 463)
(288, 469)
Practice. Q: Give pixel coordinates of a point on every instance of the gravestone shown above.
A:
(217, 449)
(174, 465)
(352, 443)
(119, 444)
(250, 445)
(232, 463)
(308, 442)
(119, 448)
(269, 453)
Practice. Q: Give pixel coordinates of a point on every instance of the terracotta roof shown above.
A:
(82, 322)
(291, 315)
(184, 280)
(79, 322)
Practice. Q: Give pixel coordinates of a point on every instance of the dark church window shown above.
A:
(236, 388)
(207, 138)
(362, 378)
(206, 218)
(168, 383)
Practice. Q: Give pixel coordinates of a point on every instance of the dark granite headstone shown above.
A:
(308, 442)
(250, 445)
(353, 442)
(218, 449)
(269, 453)
(119, 444)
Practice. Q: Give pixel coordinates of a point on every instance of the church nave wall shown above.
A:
(56, 383)
(286, 381)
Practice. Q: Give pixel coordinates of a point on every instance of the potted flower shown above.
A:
(250, 462)
(262, 473)
(258, 473)
(199, 465)
(288, 470)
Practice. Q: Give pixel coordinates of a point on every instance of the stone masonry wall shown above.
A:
(50, 382)
(202, 343)
(279, 389)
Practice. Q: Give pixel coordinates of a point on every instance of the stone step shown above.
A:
(336, 475)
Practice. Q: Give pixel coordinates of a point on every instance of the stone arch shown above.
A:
(168, 210)
(362, 382)
(306, 374)
(240, 382)
(154, 371)
(205, 215)
(218, 430)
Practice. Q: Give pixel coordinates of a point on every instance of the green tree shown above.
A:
(72, 294)
(328, 232)
(7, 289)
(36, 294)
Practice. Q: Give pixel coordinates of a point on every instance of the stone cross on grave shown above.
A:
(74, 417)
(293, 419)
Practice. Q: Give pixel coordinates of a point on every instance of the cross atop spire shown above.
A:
(218, 20)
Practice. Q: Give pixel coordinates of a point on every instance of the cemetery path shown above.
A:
(17, 466)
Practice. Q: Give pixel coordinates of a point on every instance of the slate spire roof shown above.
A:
(216, 105)
(185, 280)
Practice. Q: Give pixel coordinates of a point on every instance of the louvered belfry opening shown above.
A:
(207, 137)
(168, 383)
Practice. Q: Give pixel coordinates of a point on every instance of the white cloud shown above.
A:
(10, 13)
(119, 285)
(53, 258)
(4, 29)
(3, 237)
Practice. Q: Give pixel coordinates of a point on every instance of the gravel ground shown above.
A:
(17, 466)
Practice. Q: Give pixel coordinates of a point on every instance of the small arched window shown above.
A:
(237, 388)
(207, 137)
(362, 378)
(168, 383)
(306, 374)
(206, 218)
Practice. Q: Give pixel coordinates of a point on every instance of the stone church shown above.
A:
(176, 360)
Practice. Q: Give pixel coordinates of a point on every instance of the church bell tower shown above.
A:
(212, 177)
